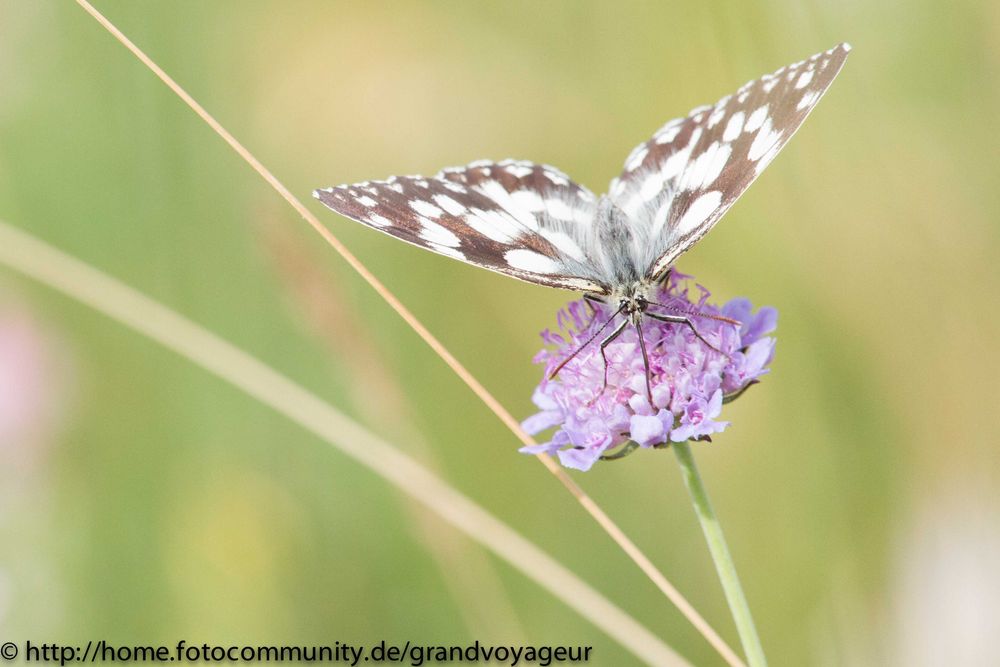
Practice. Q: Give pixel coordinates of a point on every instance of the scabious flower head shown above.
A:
(690, 381)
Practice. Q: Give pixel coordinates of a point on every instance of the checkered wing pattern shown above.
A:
(678, 184)
(521, 219)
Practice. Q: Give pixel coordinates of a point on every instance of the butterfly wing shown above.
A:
(679, 183)
(521, 219)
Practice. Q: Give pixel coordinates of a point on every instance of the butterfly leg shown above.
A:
(592, 299)
(604, 356)
(588, 342)
(686, 321)
(645, 365)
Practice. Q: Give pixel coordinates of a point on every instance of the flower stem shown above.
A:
(720, 555)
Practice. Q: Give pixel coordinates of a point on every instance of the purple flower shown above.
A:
(698, 419)
(690, 381)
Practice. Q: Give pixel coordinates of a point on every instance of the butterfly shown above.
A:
(531, 222)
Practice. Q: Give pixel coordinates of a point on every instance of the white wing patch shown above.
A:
(733, 127)
(529, 260)
(432, 232)
(699, 211)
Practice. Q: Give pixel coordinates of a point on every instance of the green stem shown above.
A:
(720, 554)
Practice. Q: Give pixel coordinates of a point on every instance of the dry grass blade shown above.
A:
(626, 544)
(49, 266)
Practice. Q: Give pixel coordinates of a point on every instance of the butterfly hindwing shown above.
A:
(679, 183)
(521, 219)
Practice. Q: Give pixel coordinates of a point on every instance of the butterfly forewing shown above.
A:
(679, 183)
(521, 219)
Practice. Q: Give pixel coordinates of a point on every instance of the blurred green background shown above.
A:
(142, 500)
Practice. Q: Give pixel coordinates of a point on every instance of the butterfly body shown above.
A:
(620, 245)
(531, 222)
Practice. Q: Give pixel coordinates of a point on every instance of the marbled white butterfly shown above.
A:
(530, 221)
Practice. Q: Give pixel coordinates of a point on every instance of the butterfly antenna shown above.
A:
(697, 313)
(588, 342)
(684, 317)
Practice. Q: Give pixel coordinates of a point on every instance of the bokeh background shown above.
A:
(142, 500)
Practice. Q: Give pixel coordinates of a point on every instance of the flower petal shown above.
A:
(646, 430)
(764, 322)
(580, 459)
(543, 448)
(546, 419)
(542, 399)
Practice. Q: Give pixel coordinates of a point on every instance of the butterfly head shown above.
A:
(631, 299)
